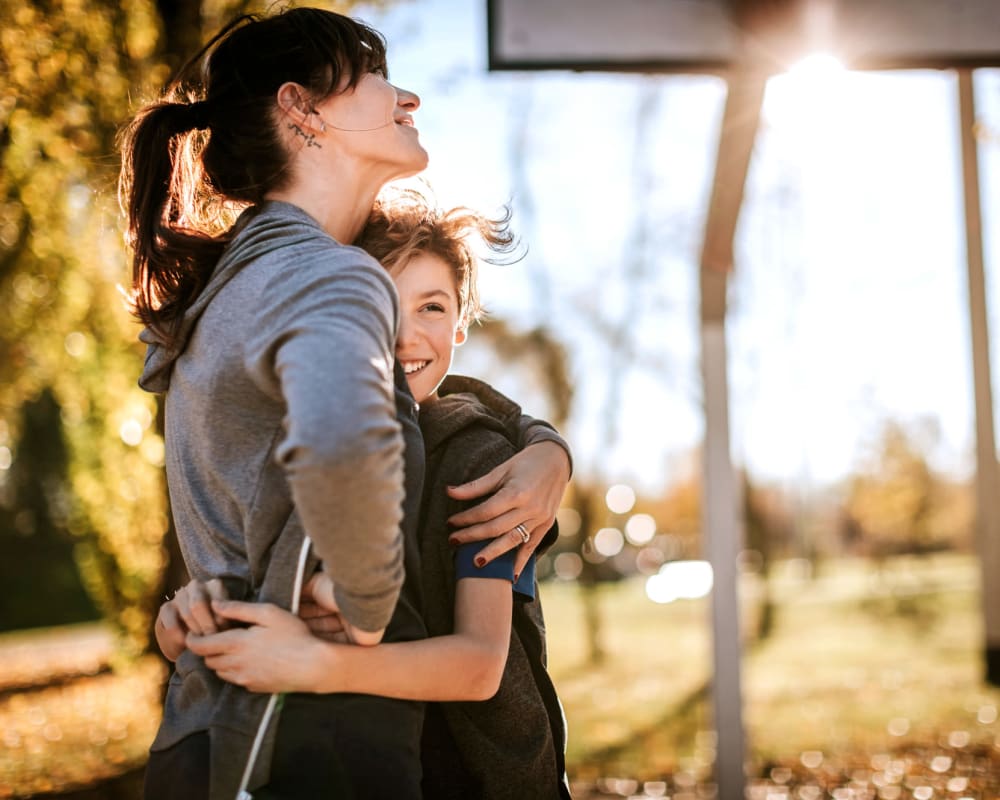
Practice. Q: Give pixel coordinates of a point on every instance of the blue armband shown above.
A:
(501, 567)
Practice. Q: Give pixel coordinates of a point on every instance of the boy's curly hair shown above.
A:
(404, 224)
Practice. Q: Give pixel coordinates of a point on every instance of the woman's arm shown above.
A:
(278, 653)
(324, 343)
(526, 489)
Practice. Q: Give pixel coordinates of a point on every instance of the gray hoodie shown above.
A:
(279, 396)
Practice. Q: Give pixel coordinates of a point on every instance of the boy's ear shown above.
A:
(461, 334)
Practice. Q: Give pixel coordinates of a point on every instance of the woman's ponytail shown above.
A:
(159, 176)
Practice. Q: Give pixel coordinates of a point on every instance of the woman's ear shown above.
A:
(461, 334)
(293, 102)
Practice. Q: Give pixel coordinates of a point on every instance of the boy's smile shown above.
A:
(410, 367)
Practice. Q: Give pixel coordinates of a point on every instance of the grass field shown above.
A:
(863, 664)
(861, 661)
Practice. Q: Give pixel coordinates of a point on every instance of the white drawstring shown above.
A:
(243, 794)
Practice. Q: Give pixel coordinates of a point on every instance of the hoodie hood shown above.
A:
(463, 402)
(258, 232)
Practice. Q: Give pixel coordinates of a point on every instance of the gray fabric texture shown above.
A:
(279, 397)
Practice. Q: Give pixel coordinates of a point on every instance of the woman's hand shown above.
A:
(528, 490)
(171, 632)
(189, 611)
(277, 653)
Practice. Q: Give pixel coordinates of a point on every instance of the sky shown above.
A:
(848, 300)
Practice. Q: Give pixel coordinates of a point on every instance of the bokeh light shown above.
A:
(649, 560)
(567, 566)
(640, 529)
(75, 344)
(659, 590)
(680, 580)
(609, 542)
(569, 521)
(620, 498)
(130, 432)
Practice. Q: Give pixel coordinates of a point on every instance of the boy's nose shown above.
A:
(406, 333)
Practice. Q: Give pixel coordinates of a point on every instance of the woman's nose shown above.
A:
(407, 99)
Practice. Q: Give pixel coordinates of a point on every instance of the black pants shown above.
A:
(346, 747)
(340, 747)
(179, 772)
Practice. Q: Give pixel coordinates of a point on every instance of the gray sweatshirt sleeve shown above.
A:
(534, 431)
(326, 345)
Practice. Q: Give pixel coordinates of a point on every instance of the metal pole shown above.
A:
(723, 529)
(987, 473)
(720, 498)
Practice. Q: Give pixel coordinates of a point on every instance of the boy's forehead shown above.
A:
(427, 272)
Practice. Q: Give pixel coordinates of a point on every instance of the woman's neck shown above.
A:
(340, 202)
(340, 214)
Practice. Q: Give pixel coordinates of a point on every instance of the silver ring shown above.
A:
(523, 532)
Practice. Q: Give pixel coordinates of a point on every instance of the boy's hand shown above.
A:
(275, 653)
(324, 617)
(317, 608)
(528, 489)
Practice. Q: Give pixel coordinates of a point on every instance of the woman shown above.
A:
(286, 416)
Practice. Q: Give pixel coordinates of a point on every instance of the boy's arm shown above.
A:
(278, 654)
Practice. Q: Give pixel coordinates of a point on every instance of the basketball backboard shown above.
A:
(713, 35)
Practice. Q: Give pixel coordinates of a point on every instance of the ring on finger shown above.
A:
(523, 533)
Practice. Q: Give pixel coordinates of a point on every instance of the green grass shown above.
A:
(859, 661)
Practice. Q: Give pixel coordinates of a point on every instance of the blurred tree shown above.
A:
(70, 71)
(589, 503)
(39, 583)
(769, 528)
(531, 365)
(898, 504)
(67, 70)
(679, 511)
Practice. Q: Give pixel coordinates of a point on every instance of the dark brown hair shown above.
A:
(405, 224)
(209, 147)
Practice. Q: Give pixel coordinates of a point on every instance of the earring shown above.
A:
(322, 122)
